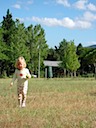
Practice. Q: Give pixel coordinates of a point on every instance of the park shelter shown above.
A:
(48, 67)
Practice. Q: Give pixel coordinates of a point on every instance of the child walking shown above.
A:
(22, 75)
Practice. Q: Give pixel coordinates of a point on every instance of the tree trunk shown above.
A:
(71, 74)
(64, 72)
(74, 73)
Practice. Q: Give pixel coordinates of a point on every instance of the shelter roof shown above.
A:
(52, 63)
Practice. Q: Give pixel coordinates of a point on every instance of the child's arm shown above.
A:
(28, 76)
(14, 78)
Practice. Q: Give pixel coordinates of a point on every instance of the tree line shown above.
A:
(17, 40)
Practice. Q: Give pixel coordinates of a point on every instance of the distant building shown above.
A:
(51, 68)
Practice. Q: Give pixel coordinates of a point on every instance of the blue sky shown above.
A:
(61, 19)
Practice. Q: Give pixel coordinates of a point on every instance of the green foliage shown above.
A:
(91, 56)
(91, 59)
(18, 45)
(53, 54)
(16, 40)
(37, 45)
(72, 63)
(68, 56)
(2, 46)
(63, 47)
(8, 25)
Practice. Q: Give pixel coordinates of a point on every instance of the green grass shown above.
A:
(51, 103)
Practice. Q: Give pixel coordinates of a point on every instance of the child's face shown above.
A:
(20, 65)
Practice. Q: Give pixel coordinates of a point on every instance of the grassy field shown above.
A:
(52, 103)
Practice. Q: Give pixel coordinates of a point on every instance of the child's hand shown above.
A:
(28, 76)
(11, 84)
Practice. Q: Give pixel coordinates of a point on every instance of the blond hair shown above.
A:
(21, 58)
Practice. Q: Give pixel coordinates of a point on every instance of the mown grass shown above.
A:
(52, 103)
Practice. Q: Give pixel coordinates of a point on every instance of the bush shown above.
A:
(88, 75)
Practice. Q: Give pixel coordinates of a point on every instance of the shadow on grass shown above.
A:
(93, 94)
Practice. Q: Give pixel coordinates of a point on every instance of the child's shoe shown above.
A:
(23, 105)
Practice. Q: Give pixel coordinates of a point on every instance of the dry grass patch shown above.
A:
(53, 103)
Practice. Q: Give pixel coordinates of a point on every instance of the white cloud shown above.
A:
(90, 43)
(65, 22)
(91, 7)
(80, 4)
(88, 16)
(25, 5)
(30, 2)
(83, 24)
(63, 2)
(93, 42)
(47, 21)
(17, 6)
(84, 5)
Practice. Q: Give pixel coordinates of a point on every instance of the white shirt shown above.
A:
(20, 75)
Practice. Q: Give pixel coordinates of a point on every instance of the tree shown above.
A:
(3, 56)
(37, 45)
(18, 43)
(14, 39)
(68, 56)
(72, 58)
(62, 53)
(52, 54)
(8, 28)
(2, 47)
(91, 59)
(82, 52)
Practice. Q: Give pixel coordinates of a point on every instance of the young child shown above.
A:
(22, 75)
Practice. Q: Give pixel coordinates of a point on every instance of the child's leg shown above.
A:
(20, 96)
(20, 99)
(24, 95)
(24, 100)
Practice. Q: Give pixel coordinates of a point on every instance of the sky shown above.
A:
(60, 19)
